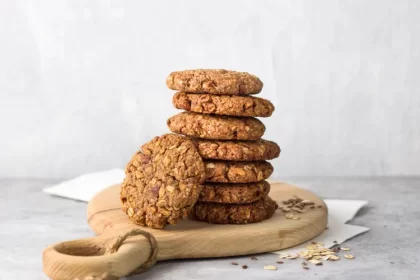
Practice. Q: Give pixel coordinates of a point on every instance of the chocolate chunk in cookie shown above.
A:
(163, 181)
(216, 127)
(234, 193)
(237, 172)
(237, 150)
(241, 106)
(234, 214)
(214, 81)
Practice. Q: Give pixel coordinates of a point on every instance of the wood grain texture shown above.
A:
(187, 239)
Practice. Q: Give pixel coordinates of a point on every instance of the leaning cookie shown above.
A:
(216, 127)
(214, 81)
(163, 181)
(237, 150)
(241, 106)
(234, 193)
(234, 214)
(237, 172)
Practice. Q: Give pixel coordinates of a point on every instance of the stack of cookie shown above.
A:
(220, 120)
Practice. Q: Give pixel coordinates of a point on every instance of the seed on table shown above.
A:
(280, 262)
(234, 263)
(244, 266)
(254, 258)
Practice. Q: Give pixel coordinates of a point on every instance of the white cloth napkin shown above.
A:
(340, 212)
(85, 187)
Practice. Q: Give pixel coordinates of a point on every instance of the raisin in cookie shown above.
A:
(234, 193)
(234, 214)
(216, 127)
(241, 106)
(237, 172)
(214, 81)
(237, 150)
(163, 181)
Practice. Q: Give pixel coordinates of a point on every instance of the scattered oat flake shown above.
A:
(315, 262)
(244, 266)
(345, 249)
(348, 256)
(234, 263)
(270, 267)
(296, 218)
(320, 244)
(289, 216)
(334, 258)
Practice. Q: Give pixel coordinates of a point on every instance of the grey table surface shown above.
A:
(31, 220)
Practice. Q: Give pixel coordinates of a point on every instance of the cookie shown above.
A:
(234, 214)
(163, 181)
(234, 193)
(237, 150)
(237, 172)
(214, 81)
(241, 106)
(216, 127)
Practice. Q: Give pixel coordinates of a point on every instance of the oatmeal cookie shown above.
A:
(241, 106)
(214, 81)
(237, 172)
(237, 150)
(163, 181)
(216, 127)
(234, 213)
(234, 193)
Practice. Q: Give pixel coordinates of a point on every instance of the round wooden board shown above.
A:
(192, 239)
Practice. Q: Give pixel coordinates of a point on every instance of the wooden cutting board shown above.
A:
(187, 239)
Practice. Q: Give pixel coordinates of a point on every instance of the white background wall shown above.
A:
(82, 83)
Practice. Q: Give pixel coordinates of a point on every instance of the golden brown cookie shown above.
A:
(216, 127)
(214, 81)
(237, 150)
(234, 193)
(241, 106)
(237, 172)
(162, 181)
(234, 214)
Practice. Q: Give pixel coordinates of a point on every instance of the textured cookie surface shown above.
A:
(237, 172)
(242, 106)
(234, 214)
(214, 81)
(237, 150)
(234, 193)
(162, 181)
(216, 127)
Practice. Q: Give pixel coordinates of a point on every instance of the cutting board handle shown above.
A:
(104, 257)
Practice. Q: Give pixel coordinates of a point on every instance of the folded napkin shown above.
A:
(340, 212)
